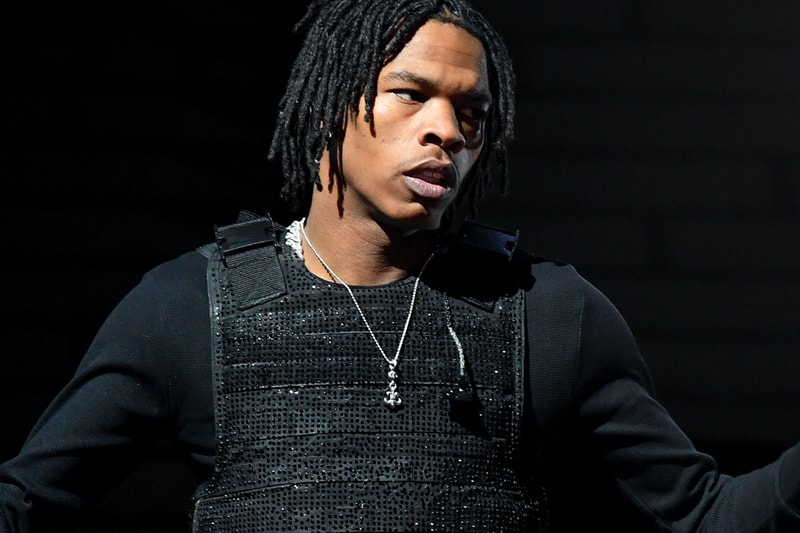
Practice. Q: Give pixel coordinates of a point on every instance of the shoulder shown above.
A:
(153, 325)
(558, 283)
(560, 293)
(579, 340)
(178, 283)
(187, 268)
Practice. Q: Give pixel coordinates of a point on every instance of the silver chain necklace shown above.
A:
(392, 397)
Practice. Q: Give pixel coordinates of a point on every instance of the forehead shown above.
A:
(444, 53)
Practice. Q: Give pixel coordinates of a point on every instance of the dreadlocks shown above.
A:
(347, 43)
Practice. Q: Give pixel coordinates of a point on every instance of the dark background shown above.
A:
(658, 151)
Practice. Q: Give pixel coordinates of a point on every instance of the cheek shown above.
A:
(391, 122)
(367, 135)
(362, 152)
(473, 135)
(470, 157)
(358, 138)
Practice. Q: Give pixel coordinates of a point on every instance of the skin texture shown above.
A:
(376, 223)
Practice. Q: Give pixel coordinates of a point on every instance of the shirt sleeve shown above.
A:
(116, 405)
(612, 409)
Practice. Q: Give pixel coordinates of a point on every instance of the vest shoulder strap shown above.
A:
(247, 251)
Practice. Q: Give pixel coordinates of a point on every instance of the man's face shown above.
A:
(405, 167)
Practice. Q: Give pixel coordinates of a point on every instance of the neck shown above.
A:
(365, 254)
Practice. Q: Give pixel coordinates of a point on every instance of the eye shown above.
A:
(408, 95)
(472, 122)
(476, 113)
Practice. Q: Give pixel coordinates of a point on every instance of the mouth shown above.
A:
(432, 180)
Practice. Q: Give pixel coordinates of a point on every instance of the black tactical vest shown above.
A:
(305, 441)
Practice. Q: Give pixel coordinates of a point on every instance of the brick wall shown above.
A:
(657, 150)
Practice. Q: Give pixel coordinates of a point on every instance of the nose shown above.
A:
(441, 127)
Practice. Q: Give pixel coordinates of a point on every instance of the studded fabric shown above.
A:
(305, 441)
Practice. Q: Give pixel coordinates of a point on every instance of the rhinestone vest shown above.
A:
(305, 441)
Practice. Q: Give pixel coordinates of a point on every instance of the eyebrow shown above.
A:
(404, 75)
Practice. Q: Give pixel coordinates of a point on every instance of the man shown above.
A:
(380, 364)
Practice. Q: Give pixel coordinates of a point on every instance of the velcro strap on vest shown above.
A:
(249, 251)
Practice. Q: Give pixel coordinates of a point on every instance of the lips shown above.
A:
(431, 180)
(435, 176)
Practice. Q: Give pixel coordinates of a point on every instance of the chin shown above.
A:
(413, 219)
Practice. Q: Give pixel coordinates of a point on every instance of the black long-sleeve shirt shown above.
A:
(147, 377)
